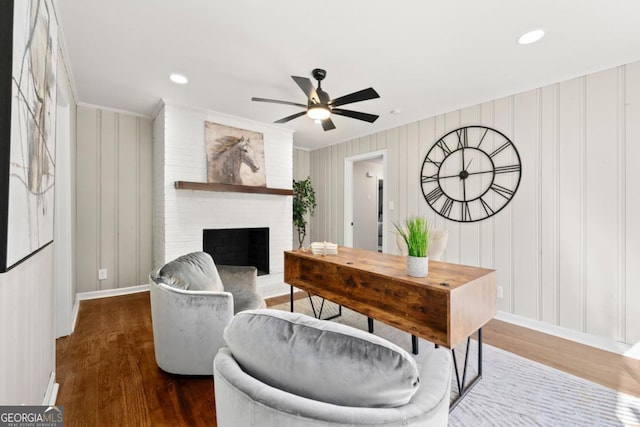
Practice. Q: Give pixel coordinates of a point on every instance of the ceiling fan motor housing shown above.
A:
(319, 74)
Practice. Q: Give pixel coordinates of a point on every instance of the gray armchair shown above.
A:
(283, 369)
(192, 302)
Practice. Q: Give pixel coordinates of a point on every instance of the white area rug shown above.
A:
(513, 391)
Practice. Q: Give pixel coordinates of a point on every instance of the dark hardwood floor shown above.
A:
(108, 375)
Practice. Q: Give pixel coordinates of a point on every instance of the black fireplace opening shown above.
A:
(238, 246)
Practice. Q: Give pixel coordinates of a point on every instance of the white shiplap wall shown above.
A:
(181, 215)
(27, 330)
(567, 247)
(113, 191)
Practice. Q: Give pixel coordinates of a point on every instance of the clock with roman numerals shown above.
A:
(470, 174)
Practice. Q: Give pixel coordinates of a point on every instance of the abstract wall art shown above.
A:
(28, 54)
(234, 156)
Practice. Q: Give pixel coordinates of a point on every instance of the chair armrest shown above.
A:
(241, 399)
(238, 279)
(188, 327)
(435, 384)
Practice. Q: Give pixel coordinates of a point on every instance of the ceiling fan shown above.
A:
(320, 106)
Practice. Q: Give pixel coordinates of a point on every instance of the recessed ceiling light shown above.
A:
(531, 36)
(179, 78)
(396, 111)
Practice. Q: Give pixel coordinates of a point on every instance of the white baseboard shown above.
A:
(570, 334)
(81, 296)
(51, 394)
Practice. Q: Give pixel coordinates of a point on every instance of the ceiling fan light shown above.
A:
(318, 112)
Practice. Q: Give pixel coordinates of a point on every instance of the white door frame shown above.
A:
(348, 195)
(62, 244)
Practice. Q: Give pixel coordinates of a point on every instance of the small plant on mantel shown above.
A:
(304, 202)
(416, 235)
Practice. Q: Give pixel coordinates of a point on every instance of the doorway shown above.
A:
(365, 198)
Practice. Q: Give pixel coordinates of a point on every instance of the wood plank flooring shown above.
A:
(108, 375)
(603, 367)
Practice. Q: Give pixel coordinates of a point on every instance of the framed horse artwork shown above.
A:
(234, 156)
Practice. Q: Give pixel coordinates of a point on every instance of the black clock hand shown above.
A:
(458, 175)
(464, 188)
(463, 176)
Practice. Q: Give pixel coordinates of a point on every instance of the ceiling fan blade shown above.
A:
(275, 101)
(361, 95)
(291, 117)
(307, 87)
(327, 124)
(355, 115)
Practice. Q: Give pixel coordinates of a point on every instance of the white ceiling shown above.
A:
(423, 57)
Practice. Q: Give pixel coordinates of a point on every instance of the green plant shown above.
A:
(416, 235)
(304, 202)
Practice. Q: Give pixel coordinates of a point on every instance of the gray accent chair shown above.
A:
(284, 369)
(192, 301)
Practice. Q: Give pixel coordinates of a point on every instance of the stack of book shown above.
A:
(324, 248)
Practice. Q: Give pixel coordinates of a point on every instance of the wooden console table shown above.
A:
(446, 307)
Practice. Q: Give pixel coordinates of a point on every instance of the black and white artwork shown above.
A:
(28, 48)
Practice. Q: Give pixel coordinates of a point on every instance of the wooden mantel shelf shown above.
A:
(208, 186)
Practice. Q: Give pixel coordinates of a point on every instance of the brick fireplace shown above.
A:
(180, 216)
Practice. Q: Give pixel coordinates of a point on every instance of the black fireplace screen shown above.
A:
(239, 246)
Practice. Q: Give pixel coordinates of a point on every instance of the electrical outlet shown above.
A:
(500, 292)
(102, 274)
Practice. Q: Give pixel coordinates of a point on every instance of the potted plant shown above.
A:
(304, 202)
(415, 234)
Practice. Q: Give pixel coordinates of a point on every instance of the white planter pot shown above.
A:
(417, 266)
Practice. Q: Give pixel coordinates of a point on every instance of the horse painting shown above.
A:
(225, 160)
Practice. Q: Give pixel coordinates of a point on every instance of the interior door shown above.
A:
(365, 204)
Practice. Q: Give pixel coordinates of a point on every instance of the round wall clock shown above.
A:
(470, 174)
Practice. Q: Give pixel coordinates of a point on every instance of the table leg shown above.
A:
(291, 298)
(370, 324)
(463, 388)
(318, 314)
(414, 344)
